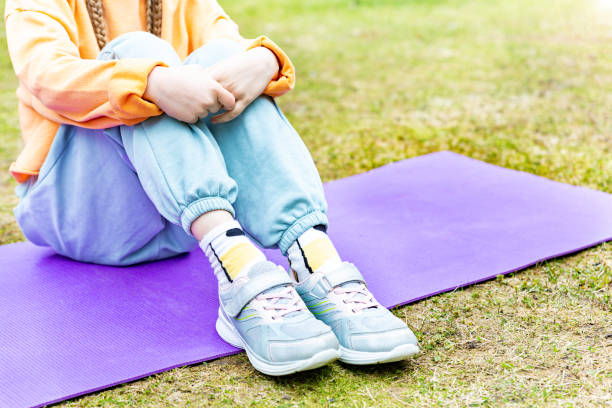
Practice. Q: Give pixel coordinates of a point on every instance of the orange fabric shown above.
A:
(285, 80)
(53, 49)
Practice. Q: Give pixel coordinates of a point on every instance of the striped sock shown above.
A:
(229, 251)
(313, 250)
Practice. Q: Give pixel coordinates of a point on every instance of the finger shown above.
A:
(215, 106)
(224, 117)
(184, 118)
(225, 98)
(204, 114)
(227, 116)
(195, 117)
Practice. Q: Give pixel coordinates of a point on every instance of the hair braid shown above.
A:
(154, 17)
(96, 15)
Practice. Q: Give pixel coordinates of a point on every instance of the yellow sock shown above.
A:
(313, 250)
(229, 250)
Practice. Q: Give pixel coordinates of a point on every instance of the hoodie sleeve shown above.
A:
(65, 88)
(218, 24)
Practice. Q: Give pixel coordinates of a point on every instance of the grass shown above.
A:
(521, 84)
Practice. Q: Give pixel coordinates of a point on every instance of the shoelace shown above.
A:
(277, 308)
(358, 295)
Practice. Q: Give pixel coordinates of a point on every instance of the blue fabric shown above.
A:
(129, 194)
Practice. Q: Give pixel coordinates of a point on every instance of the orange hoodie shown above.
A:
(53, 48)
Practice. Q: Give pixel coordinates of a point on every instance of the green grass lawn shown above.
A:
(521, 84)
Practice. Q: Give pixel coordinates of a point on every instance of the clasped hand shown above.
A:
(191, 92)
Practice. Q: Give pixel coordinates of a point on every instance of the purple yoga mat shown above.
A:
(415, 228)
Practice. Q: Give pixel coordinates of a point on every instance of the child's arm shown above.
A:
(246, 75)
(65, 88)
(219, 25)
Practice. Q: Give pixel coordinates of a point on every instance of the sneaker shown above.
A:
(368, 333)
(262, 313)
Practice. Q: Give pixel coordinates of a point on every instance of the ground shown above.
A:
(522, 84)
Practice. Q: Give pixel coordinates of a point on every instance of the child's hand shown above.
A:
(245, 75)
(187, 93)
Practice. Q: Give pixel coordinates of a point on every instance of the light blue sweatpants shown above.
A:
(129, 194)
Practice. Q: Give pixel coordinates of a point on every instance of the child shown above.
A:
(150, 125)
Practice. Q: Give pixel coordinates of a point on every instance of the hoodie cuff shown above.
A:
(127, 86)
(285, 79)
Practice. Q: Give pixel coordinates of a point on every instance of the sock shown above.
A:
(229, 251)
(312, 251)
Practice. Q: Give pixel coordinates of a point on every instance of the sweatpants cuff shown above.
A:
(299, 227)
(202, 206)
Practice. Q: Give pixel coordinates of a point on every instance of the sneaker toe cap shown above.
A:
(302, 349)
(382, 340)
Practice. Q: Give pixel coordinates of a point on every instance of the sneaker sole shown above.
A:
(369, 357)
(230, 335)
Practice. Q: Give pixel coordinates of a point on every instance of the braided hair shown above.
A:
(96, 15)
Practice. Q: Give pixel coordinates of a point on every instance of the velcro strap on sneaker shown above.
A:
(345, 273)
(244, 290)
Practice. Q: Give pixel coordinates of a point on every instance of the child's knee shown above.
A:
(214, 51)
(139, 44)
